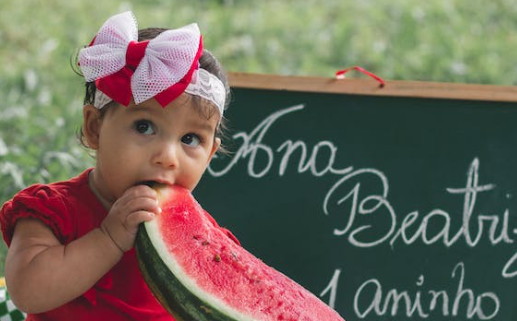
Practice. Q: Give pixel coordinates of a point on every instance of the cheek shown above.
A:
(114, 153)
(109, 150)
(113, 140)
(195, 172)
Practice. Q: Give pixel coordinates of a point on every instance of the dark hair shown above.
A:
(207, 61)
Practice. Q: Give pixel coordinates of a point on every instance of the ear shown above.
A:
(91, 125)
(215, 147)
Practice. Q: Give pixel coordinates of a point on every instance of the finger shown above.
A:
(140, 191)
(134, 192)
(142, 204)
(135, 218)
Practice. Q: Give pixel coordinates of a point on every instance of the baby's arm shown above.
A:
(43, 274)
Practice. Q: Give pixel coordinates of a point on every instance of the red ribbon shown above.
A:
(340, 74)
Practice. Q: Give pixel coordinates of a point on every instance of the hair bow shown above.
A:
(124, 68)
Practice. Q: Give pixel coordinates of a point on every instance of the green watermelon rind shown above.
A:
(178, 293)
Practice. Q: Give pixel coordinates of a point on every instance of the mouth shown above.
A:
(152, 184)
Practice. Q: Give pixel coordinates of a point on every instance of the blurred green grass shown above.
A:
(41, 97)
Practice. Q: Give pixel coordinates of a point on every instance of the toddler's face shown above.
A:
(147, 143)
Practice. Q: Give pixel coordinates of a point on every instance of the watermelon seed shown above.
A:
(196, 237)
(205, 243)
(217, 258)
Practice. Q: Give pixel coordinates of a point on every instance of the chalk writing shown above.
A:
(253, 147)
(332, 288)
(371, 298)
(358, 200)
(512, 263)
(378, 203)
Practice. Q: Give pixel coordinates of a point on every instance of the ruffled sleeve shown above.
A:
(41, 202)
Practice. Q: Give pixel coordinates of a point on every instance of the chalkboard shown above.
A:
(394, 203)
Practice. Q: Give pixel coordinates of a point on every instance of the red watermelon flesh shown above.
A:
(215, 268)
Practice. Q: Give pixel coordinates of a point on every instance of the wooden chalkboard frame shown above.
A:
(396, 88)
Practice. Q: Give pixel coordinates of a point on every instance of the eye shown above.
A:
(192, 140)
(144, 127)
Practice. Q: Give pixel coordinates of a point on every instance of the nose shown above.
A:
(166, 155)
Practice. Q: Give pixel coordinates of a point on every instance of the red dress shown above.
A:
(71, 210)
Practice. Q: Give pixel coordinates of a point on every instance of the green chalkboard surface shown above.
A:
(394, 203)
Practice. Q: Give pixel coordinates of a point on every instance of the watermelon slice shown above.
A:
(198, 270)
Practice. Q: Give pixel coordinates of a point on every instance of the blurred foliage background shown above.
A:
(471, 41)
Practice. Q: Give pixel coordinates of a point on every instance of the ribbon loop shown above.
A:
(106, 54)
(340, 74)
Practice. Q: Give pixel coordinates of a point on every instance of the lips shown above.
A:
(152, 184)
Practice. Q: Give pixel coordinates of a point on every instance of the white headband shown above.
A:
(204, 84)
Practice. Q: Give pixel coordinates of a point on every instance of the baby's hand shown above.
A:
(138, 204)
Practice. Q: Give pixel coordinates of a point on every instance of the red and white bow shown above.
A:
(126, 69)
